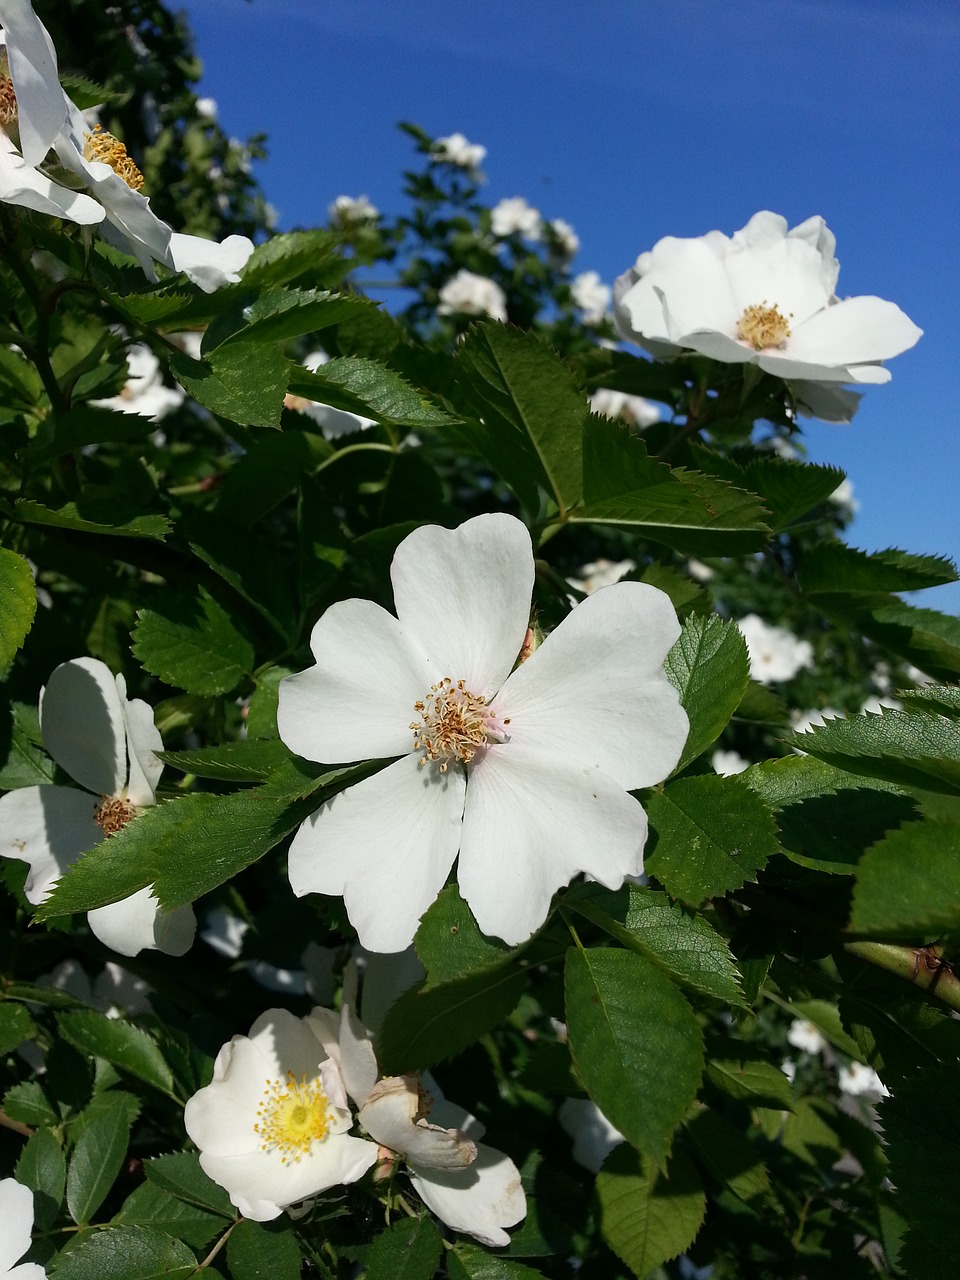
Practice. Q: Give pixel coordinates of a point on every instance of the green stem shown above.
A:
(352, 448)
(925, 967)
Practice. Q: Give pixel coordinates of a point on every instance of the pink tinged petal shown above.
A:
(143, 742)
(137, 924)
(690, 279)
(386, 845)
(595, 692)
(480, 1201)
(390, 1117)
(785, 273)
(357, 702)
(465, 595)
(855, 331)
(532, 823)
(48, 828)
(42, 105)
(16, 1222)
(25, 186)
(208, 263)
(81, 721)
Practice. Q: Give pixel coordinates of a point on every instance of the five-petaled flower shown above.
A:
(108, 743)
(764, 296)
(273, 1124)
(525, 774)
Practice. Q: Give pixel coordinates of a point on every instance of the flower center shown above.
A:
(112, 814)
(8, 99)
(292, 1115)
(763, 326)
(454, 724)
(104, 147)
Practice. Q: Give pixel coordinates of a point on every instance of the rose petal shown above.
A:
(357, 703)
(480, 1200)
(82, 725)
(136, 924)
(48, 828)
(143, 742)
(785, 273)
(465, 594)
(595, 692)
(689, 277)
(386, 844)
(41, 103)
(23, 185)
(530, 825)
(855, 331)
(390, 1117)
(16, 1221)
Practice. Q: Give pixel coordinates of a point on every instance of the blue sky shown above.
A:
(634, 119)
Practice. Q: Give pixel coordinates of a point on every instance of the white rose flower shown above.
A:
(860, 1081)
(145, 392)
(108, 743)
(273, 1125)
(114, 991)
(16, 1226)
(618, 404)
(728, 763)
(804, 1035)
(594, 1137)
(568, 242)
(601, 573)
(348, 209)
(843, 496)
(455, 149)
(207, 107)
(469, 294)
(525, 775)
(775, 653)
(513, 215)
(591, 295)
(764, 296)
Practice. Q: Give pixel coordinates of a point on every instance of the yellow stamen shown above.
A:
(763, 326)
(104, 147)
(113, 814)
(8, 98)
(454, 724)
(292, 1116)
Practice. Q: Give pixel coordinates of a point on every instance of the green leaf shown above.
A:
(728, 1156)
(122, 1253)
(239, 381)
(99, 1153)
(808, 1134)
(250, 760)
(270, 470)
(43, 1168)
(789, 489)
(15, 1025)
(709, 668)
(930, 640)
(427, 1026)
(826, 1019)
(296, 257)
(259, 1252)
(29, 1103)
(449, 943)
(528, 401)
(120, 1043)
(648, 1216)
(683, 945)
(753, 1081)
(623, 485)
(409, 1249)
(625, 1019)
(834, 568)
(713, 835)
(160, 846)
(82, 426)
(909, 883)
(368, 388)
(91, 516)
(279, 314)
(18, 604)
(180, 1174)
(911, 749)
(939, 698)
(467, 1262)
(191, 643)
(149, 1206)
(23, 762)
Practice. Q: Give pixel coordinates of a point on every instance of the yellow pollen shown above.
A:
(292, 1115)
(104, 147)
(8, 98)
(764, 326)
(112, 814)
(454, 724)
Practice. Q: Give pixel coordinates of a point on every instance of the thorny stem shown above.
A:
(925, 967)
